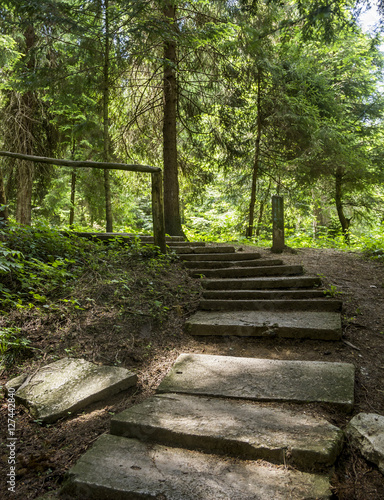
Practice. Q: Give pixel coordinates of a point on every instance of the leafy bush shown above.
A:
(39, 265)
(372, 244)
(12, 344)
(36, 261)
(42, 242)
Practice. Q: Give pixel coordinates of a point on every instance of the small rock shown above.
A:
(366, 431)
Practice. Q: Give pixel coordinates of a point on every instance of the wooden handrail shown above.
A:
(82, 164)
(156, 177)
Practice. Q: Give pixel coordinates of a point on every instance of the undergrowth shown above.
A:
(55, 284)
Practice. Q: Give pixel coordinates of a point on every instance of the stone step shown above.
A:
(262, 379)
(208, 264)
(323, 304)
(238, 272)
(315, 325)
(222, 256)
(186, 244)
(263, 294)
(120, 468)
(237, 428)
(262, 283)
(197, 249)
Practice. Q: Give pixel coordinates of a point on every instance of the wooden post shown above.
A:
(158, 211)
(278, 224)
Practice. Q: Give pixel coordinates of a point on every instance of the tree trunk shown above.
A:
(256, 163)
(320, 216)
(3, 203)
(108, 202)
(171, 180)
(260, 218)
(25, 171)
(107, 181)
(73, 194)
(261, 210)
(345, 223)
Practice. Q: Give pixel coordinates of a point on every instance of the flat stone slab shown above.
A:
(262, 283)
(317, 325)
(262, 379)
(69, 385)
(236, 428)
(224, 264)
(221, 256)
(186, 244)
(201, 250)
(263, 294)
(121, 468)
(238, 272)
(366, 430)
(324, 304)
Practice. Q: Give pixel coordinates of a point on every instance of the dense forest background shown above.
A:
(235, 100)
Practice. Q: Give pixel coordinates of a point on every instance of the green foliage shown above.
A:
(9, 259)
(332, 291)
(36, 262)
(9, 55)
(320, 107)
(66, 277)
(12, 345)
(372, 244)
(208, 225)
(39, 242)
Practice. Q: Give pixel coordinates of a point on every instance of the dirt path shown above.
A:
(45, 453)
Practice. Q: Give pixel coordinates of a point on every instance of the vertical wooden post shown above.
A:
(278, 224)
(158, 211)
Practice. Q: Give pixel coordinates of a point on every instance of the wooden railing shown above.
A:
(157, 185)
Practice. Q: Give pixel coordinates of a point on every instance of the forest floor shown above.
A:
(149, 347)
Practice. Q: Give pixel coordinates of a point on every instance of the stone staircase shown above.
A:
(223, 427)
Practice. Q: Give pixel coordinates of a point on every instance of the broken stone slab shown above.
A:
(237, 428)
(316, 325)
(262, 283)
(262, 379)
(121, 468)
(69, 385)
(238, 272)
(366, 431)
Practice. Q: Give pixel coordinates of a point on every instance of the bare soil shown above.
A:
(149, 347)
